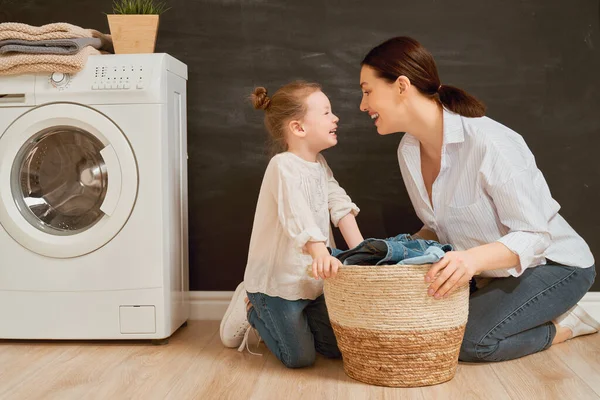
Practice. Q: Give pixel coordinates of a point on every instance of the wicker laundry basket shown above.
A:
(389, 331)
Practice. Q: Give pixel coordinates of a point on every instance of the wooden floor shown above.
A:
(194, 365)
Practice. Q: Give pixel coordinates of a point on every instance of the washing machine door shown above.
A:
(68, 180)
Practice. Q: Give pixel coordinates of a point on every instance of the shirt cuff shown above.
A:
(308, 235)
(528, 246)
(341, 212)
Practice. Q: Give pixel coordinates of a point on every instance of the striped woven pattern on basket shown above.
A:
(389, 331)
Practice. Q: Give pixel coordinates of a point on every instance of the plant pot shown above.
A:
(132, 33)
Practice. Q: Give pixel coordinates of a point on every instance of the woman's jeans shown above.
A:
(510, 317)
(293, 330)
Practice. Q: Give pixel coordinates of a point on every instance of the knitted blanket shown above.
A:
(14, 63)
(59, 30)
(23, 63)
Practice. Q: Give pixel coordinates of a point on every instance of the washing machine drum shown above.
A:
(59, 180)
(73, 181)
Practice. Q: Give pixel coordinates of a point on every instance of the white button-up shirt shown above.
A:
(490, 189)
(297, 200)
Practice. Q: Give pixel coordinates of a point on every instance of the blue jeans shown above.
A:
(293, 330)
(510, 317)
(401, 249)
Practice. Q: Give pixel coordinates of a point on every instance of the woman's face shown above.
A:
(383, 101)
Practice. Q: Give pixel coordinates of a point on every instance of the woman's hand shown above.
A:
(455, 269)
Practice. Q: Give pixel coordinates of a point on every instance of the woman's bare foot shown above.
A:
(573, 323)
(562, 334)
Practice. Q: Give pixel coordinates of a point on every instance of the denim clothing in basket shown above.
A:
(402, 249)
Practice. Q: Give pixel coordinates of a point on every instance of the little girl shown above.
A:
(291, 231)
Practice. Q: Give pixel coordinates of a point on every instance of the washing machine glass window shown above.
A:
(59, 180)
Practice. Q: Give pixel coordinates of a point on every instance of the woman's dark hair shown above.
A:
(406, 56)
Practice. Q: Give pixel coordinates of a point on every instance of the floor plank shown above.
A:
(195, 365)
(278, 382)
(233, 375)
(472, 381)
(351, 389)
(22, 362)
(152, 372)
(583, 357)
(543, 375)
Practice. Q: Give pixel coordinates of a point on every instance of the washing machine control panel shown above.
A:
(110, 79)
(59, 79)
(120, 77)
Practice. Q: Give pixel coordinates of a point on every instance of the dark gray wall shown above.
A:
(535, 63)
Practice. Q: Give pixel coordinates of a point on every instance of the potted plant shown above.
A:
(134, 25)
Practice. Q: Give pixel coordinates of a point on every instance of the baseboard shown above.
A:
(209, 306)
(212, 305)
(591, 304)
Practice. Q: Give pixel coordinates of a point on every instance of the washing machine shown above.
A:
(93, 201)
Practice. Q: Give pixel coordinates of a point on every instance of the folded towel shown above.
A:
(33, 43)
(33, 63)
(59, 30)
(52, 46)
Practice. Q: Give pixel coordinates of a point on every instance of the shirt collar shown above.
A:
(453, 130)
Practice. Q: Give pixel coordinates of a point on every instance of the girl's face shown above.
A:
(383, 101)
(320, 123)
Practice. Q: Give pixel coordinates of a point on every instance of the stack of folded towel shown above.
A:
(58, 47)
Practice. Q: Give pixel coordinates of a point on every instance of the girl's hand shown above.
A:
(325, 266)
(455, 269)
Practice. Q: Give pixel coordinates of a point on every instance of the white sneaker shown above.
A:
(578, 321)
(235, 322)
(246, 341)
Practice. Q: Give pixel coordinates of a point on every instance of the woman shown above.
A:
(474, 183)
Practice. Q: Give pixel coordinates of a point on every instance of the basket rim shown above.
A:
(403, 266)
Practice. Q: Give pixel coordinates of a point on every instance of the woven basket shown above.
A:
(389, 331)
